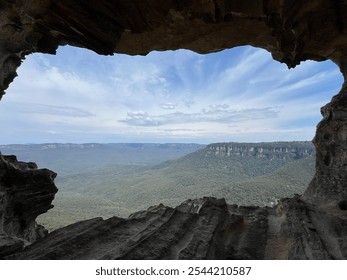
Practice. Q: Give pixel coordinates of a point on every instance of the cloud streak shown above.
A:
(213, 115)
(41, 109)
(168, 106)
(237, 94)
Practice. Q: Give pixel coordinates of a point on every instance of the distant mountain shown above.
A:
(75, 158)
(243, 160)
(242, 173)
(267, 150)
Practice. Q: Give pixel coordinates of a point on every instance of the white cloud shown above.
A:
(41, 109)
(237, 94)
(212, 115)
(219, 106)
(168, 106)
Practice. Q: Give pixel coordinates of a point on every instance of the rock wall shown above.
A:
(292, 30)
(329, 186)
(25, 193)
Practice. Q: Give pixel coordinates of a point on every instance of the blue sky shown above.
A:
(240, 94)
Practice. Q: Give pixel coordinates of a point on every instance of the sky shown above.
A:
(239, 95)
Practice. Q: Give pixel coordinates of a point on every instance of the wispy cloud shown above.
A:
(213, 115)
(168, 106)
(32, 109)
(237, 94)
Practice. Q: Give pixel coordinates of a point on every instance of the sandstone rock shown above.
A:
(293, 31)
(313, 226)
(10, 245)
(205, 228)
(329, 185)
(193, 230)
(25, 193)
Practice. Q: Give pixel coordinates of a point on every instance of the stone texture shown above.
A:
(205, 228)
(25, 193)
(292, 30)
(10, 245)
(329, 185)
(197, 229)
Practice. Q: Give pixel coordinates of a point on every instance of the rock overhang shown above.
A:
(293, 31)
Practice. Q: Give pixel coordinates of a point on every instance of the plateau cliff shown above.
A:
(270, 151)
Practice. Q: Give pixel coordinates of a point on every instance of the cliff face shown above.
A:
(329, 186)
(280, 150)
(292, 30)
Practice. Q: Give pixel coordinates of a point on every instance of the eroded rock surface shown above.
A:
(329, 186)
(25, 193)
(292, 30)
(197, 229)
(205, 228)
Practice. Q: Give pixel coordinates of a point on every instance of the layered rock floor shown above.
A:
(205, 228)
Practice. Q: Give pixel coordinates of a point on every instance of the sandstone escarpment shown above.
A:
(293, 31)
(279, 150)
(25, 193)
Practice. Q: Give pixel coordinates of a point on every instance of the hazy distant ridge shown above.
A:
(74, 158)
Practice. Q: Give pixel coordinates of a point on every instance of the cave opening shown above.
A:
(237, 95)
(310, 226)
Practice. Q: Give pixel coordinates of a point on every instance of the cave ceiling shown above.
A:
(293, 31)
